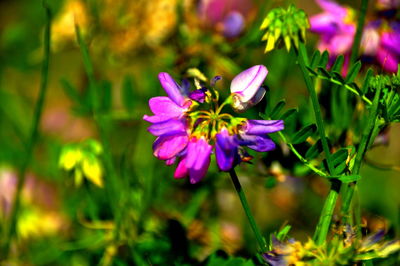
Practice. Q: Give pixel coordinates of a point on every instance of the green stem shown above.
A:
(101, 124)
(362, 148)
(261, 242)
(303, 59)
(13, 221)
(330, 203)
(300, 157)
(360, 26)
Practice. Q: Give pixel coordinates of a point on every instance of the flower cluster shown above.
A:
(190, 125)
(337, 27)
(343, 249)
(288, 26)
(82, 159)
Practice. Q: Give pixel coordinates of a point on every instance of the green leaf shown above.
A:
(339, 160)
(352, 74)
(283, 233)
(304, 133)
(337, 66)
(278, 107)
(324, 72)
(324, 59)
(314, 150)
(346, 178)
(312, 71)
(128, 97)
(338, 77)
(365, 85)
(315, 59)
(288, 114)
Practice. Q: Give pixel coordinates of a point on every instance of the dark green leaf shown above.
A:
(324, 72)
(352, 74)
(365, 85)
(277, 109)
(347, 178)
(337, 66)
(324, 59)
(338, 77)
(288, 114)
(315, 59)
(314, 150)
(312, 71)
(304, 133)
(340, 156)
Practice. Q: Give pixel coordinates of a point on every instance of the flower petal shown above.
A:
(260, 127)
(258, 143)
(168, 128)
(172, 88)
(248, 82)
(181, 170)
(226, 150)
(166, 148)
(198, 158)
(163, 108)
(233, 24)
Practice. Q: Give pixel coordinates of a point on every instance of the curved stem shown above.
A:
(261, 242)
(300, 157)
(13, 221)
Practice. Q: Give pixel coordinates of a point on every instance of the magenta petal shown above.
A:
(198, 158)
(333, 8)
(168, 128)
(163, 108)
(388, 60)
(260, 127)
(197, 174)
(171, 88)
(181, 170)
(165, 148)
(248, 82)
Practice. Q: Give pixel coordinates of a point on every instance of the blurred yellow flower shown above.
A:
(82, 159)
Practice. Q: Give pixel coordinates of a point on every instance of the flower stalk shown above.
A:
(15, 209)
(364, 143)
(329, 206)
(260, 240)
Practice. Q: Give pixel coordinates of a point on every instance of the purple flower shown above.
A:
(336, 26)
(226, 16)
(187, 134)
(388, 54)
(246, 87)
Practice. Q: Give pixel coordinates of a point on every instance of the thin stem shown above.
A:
(330, 203)
(362, 148)
(13, 221)
(303, 58)
(301, 158)
(360, 26)
(246, 208)
(103, 131)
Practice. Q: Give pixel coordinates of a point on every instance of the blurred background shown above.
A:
(138, 214)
